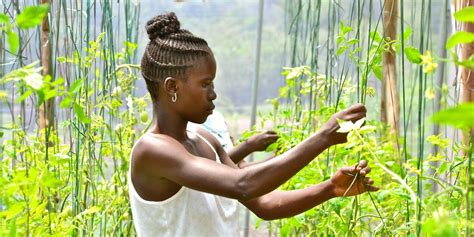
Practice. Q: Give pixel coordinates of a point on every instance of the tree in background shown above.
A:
(465, 52)
(46, 114)
(390, 105)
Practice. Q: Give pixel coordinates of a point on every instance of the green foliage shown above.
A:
(32, 16)
(53, 186)
(13, 41)
(460, 116)
(413, 54)
(12, 37)
(466, 14)
(441, 224)
(460, 37)
(382, 213)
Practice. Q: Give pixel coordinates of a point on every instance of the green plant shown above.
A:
(71, 185)
(379, 213)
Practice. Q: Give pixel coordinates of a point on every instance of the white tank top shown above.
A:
(186, 213)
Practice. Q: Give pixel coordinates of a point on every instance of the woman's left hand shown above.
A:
(260, 141)
(350, 181)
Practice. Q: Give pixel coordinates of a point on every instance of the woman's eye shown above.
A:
(206, 84)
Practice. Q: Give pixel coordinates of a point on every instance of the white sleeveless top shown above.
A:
(186, 213)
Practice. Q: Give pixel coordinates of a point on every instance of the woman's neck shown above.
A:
(169, 124)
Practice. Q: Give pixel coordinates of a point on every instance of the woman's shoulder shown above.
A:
(154, 146)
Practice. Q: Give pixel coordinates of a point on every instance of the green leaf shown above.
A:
(293, 74)
(460, 116)
(58, 81)
(61, 59)
(80, 113)
(13, 229)
(377, 69)
(32, 16)
(76, 86)
(413, 54)
(465, 14)
(340, 50)
(4, 18)
(13, 41)
(50, 94)
(25, 95)
(442, 168)
(469, 63)
(272, 147)
(375, 36)
(91, 210)
(460, 37)
(407, 34)
(344, 29)
(40, 94)
(66, 102)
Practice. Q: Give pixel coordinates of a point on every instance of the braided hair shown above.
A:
(170, 52)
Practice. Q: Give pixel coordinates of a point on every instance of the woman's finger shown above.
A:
(356, 116)
(368, 181)
(365, 171)
(371, 188)
(357, 108)
(348, 170)
(362, 164)
(273, 137)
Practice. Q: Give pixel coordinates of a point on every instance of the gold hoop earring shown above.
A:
(174, 98)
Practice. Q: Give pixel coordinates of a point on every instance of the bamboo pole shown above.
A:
(467, 75)
(46, 109)
(390, 105)
(443, 35)
(253, 116)
(467, 95)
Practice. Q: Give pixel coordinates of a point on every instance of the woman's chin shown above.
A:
(200, 120)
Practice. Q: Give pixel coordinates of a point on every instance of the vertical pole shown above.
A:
(253, 115)
(438, 104)
(45, 110)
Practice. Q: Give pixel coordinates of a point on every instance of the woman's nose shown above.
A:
(212, 94)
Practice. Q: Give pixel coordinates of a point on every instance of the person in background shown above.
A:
(217, 126)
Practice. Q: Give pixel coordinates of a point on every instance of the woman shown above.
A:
(182, 183)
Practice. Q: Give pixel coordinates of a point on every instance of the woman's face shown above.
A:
(196, 92)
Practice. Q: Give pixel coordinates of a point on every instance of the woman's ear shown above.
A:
(170, 85)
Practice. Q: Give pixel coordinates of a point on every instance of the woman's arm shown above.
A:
(164, 157)
(282, 204)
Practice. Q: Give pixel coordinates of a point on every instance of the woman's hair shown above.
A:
(170, 52)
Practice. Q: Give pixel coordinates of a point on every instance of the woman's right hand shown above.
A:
(329, 130)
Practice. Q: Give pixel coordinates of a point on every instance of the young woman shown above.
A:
(182, 183)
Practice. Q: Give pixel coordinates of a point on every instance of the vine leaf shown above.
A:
(466, 14)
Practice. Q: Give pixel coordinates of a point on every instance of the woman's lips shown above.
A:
(211, 109)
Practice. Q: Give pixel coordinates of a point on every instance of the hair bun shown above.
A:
(162, 25)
